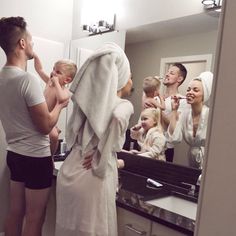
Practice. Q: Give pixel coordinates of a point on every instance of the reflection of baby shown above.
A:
(55, 90)
(151, 93)
(149, 135)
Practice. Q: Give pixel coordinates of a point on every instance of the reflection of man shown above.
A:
(174, 77)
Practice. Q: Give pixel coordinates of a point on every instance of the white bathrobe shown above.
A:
(152, 143)
(86, 198)
(184, 129)
(184, 126)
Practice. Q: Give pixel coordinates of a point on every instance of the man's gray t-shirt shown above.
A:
(18, 91)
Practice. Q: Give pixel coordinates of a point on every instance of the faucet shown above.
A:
(199, 180)
(192, 188)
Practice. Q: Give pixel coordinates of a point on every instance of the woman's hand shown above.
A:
(174, 103)
(87, 163)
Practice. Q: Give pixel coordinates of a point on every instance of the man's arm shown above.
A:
(43, 119)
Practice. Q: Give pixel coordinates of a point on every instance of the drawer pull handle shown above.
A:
(131, 228)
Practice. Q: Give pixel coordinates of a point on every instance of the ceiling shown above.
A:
(204, 22)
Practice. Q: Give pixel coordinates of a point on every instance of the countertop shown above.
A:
(134, 194)
(137, 196)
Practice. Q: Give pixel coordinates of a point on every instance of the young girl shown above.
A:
(149, 135)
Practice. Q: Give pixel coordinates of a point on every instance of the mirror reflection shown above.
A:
(153, 51)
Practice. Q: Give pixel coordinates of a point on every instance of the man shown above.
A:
(174, 77)
(27, 123)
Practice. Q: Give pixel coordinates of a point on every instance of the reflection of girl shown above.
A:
(192, 124)
(149, 135)
(86, 197)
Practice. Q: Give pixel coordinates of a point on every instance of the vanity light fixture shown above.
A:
(99, 27)
(208, 2)
(212, 5)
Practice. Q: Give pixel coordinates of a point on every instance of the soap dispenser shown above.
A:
(63, 147)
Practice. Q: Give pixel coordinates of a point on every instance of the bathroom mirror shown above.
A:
(151, 47)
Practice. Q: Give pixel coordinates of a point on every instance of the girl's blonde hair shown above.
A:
(155, 114)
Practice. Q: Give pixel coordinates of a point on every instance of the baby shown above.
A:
(56, 91)
(151, 93)
(149, 135)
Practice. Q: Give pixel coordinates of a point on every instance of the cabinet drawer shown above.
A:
(130, 224)
(162, 230)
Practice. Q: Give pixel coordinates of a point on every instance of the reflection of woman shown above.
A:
(86, 197)
(192, 124)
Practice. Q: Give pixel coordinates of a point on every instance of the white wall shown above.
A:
(93, 42)
(46, 19)
(217, 208)
(132, 13)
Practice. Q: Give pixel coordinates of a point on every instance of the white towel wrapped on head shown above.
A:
(94, 90)
(206, 78)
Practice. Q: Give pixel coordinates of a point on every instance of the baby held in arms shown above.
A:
(151, 93)
(55, 90)
(149, 134)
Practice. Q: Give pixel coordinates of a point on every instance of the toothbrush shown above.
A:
(179, 97)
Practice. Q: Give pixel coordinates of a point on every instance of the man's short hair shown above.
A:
(12, 29)
(182, 69)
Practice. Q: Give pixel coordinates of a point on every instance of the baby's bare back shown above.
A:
(50, 94)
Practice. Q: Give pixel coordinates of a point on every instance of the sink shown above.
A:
(174, 203)
(185, 196)
(138, 184)
(167, 197)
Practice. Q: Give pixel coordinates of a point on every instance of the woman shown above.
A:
(86, 197)
(192, 123)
